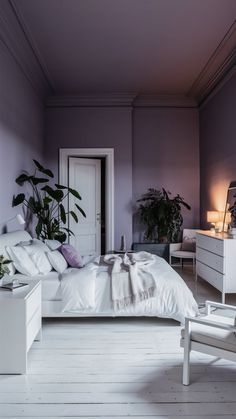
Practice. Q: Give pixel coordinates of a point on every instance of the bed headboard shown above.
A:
(11, 239)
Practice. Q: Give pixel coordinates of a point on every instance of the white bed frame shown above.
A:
(51, 308)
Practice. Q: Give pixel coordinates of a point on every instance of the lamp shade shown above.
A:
(213, 216)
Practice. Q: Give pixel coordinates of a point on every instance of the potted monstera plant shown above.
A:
(161, 214)
(46, 203)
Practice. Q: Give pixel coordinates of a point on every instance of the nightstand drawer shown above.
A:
(211, 244)
(33, 302)
(210, 275)
(211, 259)
(33, 328)
(20, 324)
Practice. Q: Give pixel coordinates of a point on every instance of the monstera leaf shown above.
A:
(46, 203)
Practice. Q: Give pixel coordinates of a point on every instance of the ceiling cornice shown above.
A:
(217, 68)
(120, 100)
(218, 87)
(164, 101)
(14, 39)
(90, 100)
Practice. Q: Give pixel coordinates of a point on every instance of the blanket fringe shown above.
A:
(141, 296)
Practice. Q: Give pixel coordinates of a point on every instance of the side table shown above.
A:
(20, 325)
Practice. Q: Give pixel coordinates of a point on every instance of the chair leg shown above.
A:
(186, 367)
(187, 348)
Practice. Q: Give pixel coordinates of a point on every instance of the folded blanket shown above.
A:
(131, 282)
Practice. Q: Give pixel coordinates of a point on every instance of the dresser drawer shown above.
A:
(33, 327)
(211, 259)
(210, 275)
(33, 302)
(211, 244)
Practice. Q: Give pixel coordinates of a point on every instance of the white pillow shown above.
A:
(53, 244)
(78, 289)
(22, 260)
(57, 261)
(37, 252)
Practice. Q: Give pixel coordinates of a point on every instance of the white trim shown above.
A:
(91, 100)
(108, 153)
(121, 100)
(16, 42)
(164, 101)
(216, 68)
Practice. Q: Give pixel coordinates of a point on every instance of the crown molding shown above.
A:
(164, 101)
(14, 38)
(217, 68)
(120, 100)
(91, 100)
(219, 86)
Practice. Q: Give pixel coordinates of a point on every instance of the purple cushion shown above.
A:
(71, 256)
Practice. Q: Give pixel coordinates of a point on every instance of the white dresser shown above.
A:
(20, 325)
(216, 261)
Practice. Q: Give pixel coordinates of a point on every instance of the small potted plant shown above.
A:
(4, 269)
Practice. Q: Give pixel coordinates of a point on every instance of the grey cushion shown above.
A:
(183, 254)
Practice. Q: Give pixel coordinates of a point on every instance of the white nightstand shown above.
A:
(216, 262)
(20, 325)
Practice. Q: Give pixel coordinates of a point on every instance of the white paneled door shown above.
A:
(85, 177)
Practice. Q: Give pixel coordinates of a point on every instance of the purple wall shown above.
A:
(157, 147)
(97, 127)
(21, 131)
(217, 148)
(166, 154)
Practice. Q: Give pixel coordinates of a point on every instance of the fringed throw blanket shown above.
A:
(131, 281)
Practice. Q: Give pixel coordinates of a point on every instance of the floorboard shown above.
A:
(119, 368)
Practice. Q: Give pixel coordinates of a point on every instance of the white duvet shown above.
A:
(89, 290)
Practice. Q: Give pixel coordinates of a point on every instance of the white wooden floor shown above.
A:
(118, 368)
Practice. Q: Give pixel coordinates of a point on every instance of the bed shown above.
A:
(86, 292)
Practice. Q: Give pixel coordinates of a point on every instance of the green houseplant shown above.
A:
(46, 203)
(3, 266)
(161, 214)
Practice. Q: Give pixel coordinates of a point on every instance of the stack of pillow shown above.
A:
(35, 257)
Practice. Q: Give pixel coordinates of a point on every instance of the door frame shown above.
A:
(108, 153)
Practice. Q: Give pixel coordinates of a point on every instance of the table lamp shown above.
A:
(213, 217)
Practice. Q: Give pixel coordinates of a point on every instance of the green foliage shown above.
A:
(46, 204)
(161, 215)
(3, 266)
(232, 211)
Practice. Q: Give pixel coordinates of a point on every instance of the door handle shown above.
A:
(98, 217)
